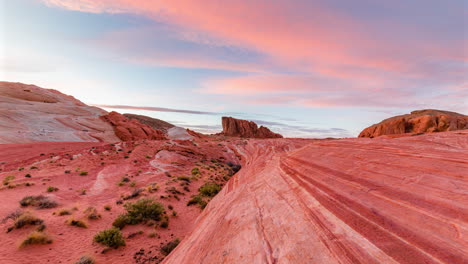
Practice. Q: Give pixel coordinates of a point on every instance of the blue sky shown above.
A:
(303, 68)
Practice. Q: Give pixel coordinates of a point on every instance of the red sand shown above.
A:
(69, 243)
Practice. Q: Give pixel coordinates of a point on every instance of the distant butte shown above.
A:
(233, 127)
(421, 121)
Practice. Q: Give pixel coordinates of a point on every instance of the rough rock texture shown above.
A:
(420, 121)
(29, 114)
(131, 129)
(152, 122)
(384, 200)
(233, 127)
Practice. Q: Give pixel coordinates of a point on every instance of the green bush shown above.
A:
(140, 211)
(209, 189)
(166, 249)
(144, 209)
(197, 199)
(121, 221)
(83, 173)
(52, 189)
(110, 237)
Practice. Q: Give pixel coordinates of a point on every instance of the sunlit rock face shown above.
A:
(233, 127)
(420, 121)
(127, 129)
(29, 113)
(382, 200)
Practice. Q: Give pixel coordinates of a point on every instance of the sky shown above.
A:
(304, 68)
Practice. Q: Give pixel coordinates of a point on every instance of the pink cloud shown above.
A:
(336, 60)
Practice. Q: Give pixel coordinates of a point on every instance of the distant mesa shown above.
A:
(420, 121)
(129, 129)
(233, 127)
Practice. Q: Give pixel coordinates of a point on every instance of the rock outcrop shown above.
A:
(420, 121)
(233, 127)
(127, 129)
(339, 201)
(152, 122)
(29, 113)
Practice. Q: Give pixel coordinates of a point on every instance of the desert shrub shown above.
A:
(195, 172)
(52, 189)
(138, 212)
(133, 184)
(235, 167)
(81, 191)
(92, 213)
(144, 209)
(166, 249)
(121, 221)
(152, 187)
(34, 168)
(85, 260)
(83, 173)
(13, 216)
(184, 178)
(134, 194)
(40, 201)
(110, 237)
(27, 218)
(209, 189)
(63, 212)
(174, 213)
(67, 171)
(77, 223)
(197, 199)
(107, 207)
(36, 237)
(28, 175)
(7, 179)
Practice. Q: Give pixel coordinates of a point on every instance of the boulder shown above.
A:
(131, 129)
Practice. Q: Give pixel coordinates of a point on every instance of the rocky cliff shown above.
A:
(233, 127)
(127, 129)
(420, 121)
(339, 201)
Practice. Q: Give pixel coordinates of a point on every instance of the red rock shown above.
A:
(384, 200)
(233, 127)
(420, 121)
(131, 129)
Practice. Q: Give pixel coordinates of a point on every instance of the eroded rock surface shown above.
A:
(339, 201)
(127, 129)
(29, 113)
(233, 127)
(420, 121)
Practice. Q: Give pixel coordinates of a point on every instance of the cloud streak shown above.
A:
(156, 109)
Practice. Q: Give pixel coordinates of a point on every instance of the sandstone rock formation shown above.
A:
(131, 129)
(30, 114)
(420, 121)
(152, 122)
(339, 201)
(233, 127)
